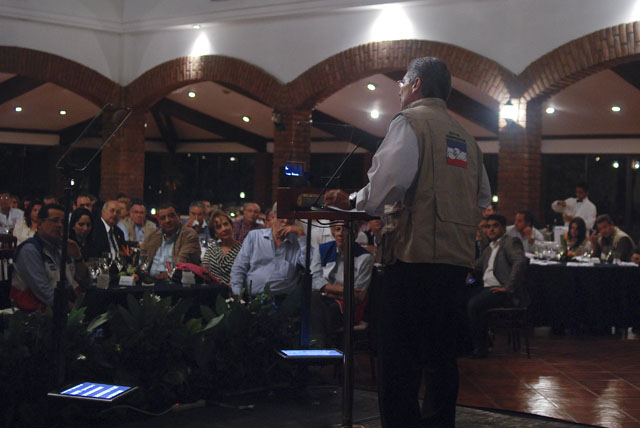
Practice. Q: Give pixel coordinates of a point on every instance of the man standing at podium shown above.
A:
(430, 170)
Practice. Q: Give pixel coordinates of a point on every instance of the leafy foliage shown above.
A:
(152, 343)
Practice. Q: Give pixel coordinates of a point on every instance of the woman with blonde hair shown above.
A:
(220, 255)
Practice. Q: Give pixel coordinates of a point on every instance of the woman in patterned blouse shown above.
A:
(220, 256)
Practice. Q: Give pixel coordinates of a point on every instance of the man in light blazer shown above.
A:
(501, 266)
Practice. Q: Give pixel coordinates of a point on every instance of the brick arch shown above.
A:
(580, 58)
(161, 80)
(334, 73)
(68, 74)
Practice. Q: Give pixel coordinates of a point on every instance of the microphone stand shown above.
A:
(70, 172)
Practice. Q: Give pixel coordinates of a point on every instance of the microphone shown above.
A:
(333, 176)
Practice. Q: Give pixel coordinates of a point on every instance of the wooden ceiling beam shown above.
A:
(208, 123)
(344, 131)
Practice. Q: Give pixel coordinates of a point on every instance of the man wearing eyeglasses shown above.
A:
(430, 169)
(37, 263)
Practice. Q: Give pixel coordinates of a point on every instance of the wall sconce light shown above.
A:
(276, 117)
(509, 112)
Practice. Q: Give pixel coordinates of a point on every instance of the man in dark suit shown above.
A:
(501, 267)
(105, 236)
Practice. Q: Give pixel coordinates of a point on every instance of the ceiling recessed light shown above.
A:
(597, 158)
(191, 94)
(232, 159)
(246, 119)
(18, 109)
(615, 164)
(374, 114)
(371, 86)
(196, 26)
(616, 109)
(550, 110)
(63, 112)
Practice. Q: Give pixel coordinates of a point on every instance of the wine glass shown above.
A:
(170, 266)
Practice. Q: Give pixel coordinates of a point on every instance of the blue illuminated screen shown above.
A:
(311, 353)
(95, 390)
(293, 169)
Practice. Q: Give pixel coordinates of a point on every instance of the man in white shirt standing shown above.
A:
(501, 266)
(580, 206)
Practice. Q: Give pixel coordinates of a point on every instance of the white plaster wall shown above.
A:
(512, 32)
(100, 51)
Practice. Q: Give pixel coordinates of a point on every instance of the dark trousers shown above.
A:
(480, 302)
(326, 319)
(417, 318)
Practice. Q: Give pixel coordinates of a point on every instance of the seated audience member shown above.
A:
(327, 268)
(248, 222)
(524, 230)
(580, 206)
(26, 200)
(610, 240)
(171, 242)
(14, 201)
(491, 209)
(207, 208)
(50, 199)
(501, 266)
(37, 263)
(635, 257)
(105, 236)
(80, 228)
(220, 255)
(92, 200)
(576, 238)
(123, 206)
(270, 256)
(27, 226)
(197, 221)
(82, 201)
(136, 226)
(8, 215)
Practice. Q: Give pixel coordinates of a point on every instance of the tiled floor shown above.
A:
(591, 380)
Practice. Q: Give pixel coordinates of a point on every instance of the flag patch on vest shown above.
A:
(456, 153)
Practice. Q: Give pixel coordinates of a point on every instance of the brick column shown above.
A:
(293, 143)
(122, 166)
(520, 162)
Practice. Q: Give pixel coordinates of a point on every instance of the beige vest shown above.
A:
(436, 222)
(147, 228)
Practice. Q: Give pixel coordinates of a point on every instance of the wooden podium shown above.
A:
(295, 203)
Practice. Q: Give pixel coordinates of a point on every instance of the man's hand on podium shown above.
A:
(337, 198)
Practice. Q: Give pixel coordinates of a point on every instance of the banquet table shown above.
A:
(99, 299)
(584, 299)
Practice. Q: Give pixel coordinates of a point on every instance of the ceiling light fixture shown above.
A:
(242, 195)
(63, 112)
(232, 159)
(494, 198)
(18, 109)
(635, 164)
(145, 124)
(615, 109)
(597, 158)
(196, 26)
(374, 114)
(371, 86)
(246, 119)
(615, 164)
(191, 94)
(550, 110)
